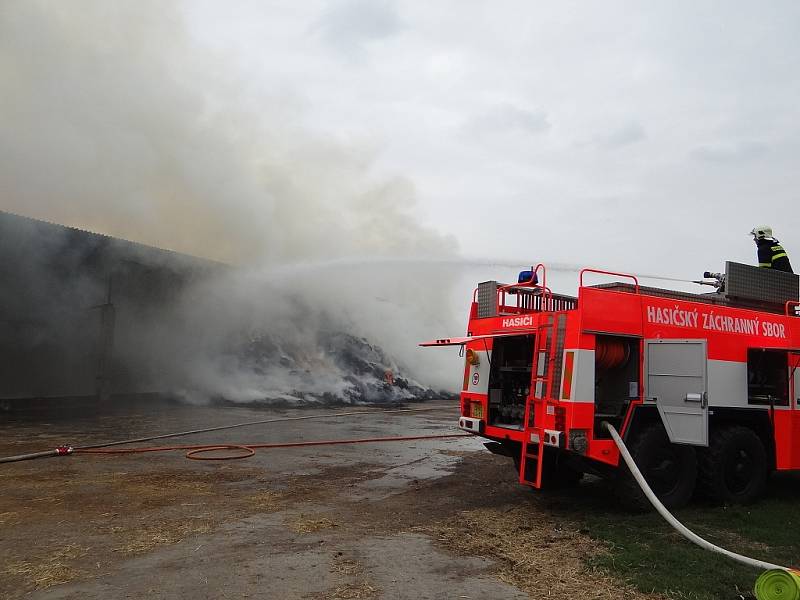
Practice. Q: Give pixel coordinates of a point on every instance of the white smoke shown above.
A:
(113, 120)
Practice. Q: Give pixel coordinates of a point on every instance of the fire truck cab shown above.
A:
(703, 388)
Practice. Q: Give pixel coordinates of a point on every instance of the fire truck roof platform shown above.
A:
(742, 286)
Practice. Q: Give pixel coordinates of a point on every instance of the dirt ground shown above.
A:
(424, 519)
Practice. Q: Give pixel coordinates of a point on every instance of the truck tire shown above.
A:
(669, 469)
(733, 469)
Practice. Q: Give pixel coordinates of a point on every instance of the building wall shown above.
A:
(80, 312)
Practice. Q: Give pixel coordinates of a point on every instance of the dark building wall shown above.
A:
(80, 312)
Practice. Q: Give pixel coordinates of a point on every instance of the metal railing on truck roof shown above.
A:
(615, 274)
(494, 299)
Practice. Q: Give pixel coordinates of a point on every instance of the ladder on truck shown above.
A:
(533, 442)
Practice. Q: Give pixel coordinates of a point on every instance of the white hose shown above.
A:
(677, 525)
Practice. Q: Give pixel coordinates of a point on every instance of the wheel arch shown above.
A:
(643, 416)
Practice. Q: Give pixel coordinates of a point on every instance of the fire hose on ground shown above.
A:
(248, 450)
(775, 583)
(66, 450)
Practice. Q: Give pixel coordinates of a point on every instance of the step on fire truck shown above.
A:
(704, 388)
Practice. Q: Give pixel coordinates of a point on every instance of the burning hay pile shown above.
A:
(340, 369)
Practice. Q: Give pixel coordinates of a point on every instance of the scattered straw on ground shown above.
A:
(7, 518)
(352, 591)
(167, 533)
(304, 524)
(538, 556)
(353, 581)
(346, 566)
(358, 587)
(266, 501)
(53, 569)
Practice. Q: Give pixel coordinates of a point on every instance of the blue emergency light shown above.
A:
(525, 277)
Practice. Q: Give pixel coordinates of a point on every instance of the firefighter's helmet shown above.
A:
(761, 232)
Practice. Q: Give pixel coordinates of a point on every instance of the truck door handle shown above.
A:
(702, 399)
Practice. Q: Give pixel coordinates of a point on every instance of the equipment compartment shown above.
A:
(616, 379)
(510, 380)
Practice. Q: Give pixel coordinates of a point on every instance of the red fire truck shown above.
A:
(704, 388)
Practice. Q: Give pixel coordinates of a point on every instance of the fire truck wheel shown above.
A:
(670, 470)
(733, 469)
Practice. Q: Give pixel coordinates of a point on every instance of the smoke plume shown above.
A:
(115, 121)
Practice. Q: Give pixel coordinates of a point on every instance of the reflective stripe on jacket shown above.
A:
(772, 255)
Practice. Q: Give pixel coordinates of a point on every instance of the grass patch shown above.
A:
(649, 554)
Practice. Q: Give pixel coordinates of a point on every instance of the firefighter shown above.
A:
(771, 254)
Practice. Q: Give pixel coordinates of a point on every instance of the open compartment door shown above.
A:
(676, 381)
(794, 380)
(460, 341)
(794, 403)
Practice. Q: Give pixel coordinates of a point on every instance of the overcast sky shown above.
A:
(648, 136)
(644, 135)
